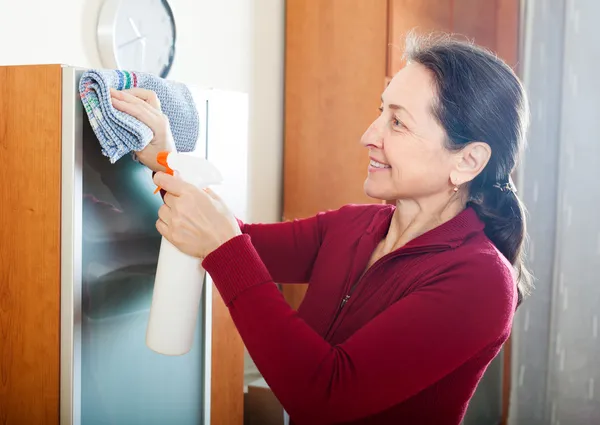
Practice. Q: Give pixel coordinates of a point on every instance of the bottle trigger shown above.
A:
(161, 158)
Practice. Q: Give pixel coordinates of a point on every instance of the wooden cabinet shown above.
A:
(30, 141)
(78, 253)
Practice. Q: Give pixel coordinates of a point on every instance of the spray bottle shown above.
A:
(179, 277)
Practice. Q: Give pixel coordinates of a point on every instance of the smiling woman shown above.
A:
(409, 303)
(434, 134)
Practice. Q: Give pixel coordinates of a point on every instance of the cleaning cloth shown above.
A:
(120, 133)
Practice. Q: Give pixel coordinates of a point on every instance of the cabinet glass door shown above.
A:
(122, 381)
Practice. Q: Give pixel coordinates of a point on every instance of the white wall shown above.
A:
(226, 44)
(266, 109)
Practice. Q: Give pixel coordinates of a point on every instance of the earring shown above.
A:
(456, 185)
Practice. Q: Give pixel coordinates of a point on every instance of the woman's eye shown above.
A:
(397, 123)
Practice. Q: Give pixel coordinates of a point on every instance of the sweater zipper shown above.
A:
(346, 298)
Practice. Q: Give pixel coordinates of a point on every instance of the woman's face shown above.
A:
(406, 143)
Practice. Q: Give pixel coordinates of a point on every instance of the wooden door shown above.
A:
(493, 24)
(422, 16)
(334, 73)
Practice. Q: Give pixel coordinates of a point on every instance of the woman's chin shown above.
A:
(375, 192)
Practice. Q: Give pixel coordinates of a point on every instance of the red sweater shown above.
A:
(412, 339)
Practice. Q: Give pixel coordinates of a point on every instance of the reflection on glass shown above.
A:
(123, 381)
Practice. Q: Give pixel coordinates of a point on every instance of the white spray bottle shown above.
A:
(179, 277)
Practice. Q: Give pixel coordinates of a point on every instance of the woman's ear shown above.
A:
(471, 160)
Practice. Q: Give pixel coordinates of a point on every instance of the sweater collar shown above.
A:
(451, 233)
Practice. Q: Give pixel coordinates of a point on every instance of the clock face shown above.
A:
(137, 35)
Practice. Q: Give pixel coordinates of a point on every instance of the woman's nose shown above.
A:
(373, 137)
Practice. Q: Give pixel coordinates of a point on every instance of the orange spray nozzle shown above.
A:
(161, 158)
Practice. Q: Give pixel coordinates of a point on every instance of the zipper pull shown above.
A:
(344, 301)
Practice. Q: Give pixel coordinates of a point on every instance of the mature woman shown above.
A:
(407, 304)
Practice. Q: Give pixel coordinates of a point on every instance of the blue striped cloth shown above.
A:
(119, 133)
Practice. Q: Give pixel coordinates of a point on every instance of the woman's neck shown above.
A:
(414, 218)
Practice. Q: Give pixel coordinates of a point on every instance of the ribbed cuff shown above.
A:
(236, 266)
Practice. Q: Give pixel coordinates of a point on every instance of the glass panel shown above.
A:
(122, 380)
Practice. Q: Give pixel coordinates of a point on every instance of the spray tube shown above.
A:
(179, 277)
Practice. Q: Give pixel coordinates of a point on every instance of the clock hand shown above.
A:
(143, 39)
(143, 43)
(135, 28)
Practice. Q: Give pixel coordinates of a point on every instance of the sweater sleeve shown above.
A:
(408, 347)
(289, 249)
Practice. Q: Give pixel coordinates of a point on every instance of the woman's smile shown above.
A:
(375, 165)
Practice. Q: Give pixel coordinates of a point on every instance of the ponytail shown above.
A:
(480, 98)
(503, 214)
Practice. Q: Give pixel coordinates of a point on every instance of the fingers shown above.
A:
(163, 229)
(136, 110)
(127, 97)
(144, 112)
(173, 185)
(146, 95)
(169, 199)
(165, 214)
(163, 222)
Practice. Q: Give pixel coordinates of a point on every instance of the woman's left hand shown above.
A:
(144, 105)
(196, 221)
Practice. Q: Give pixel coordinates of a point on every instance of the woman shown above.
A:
(407, 304)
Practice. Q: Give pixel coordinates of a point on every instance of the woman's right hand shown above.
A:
(144, 105)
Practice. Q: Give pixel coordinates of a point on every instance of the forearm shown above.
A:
(287, 249)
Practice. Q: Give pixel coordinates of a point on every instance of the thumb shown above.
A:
(172, 184)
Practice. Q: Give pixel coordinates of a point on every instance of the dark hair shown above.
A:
(479, 98)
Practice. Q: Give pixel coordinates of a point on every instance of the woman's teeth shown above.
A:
(378, 164)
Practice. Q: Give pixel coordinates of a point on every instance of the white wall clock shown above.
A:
(137, 35)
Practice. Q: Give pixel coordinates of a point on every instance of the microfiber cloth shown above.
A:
(120, 133)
